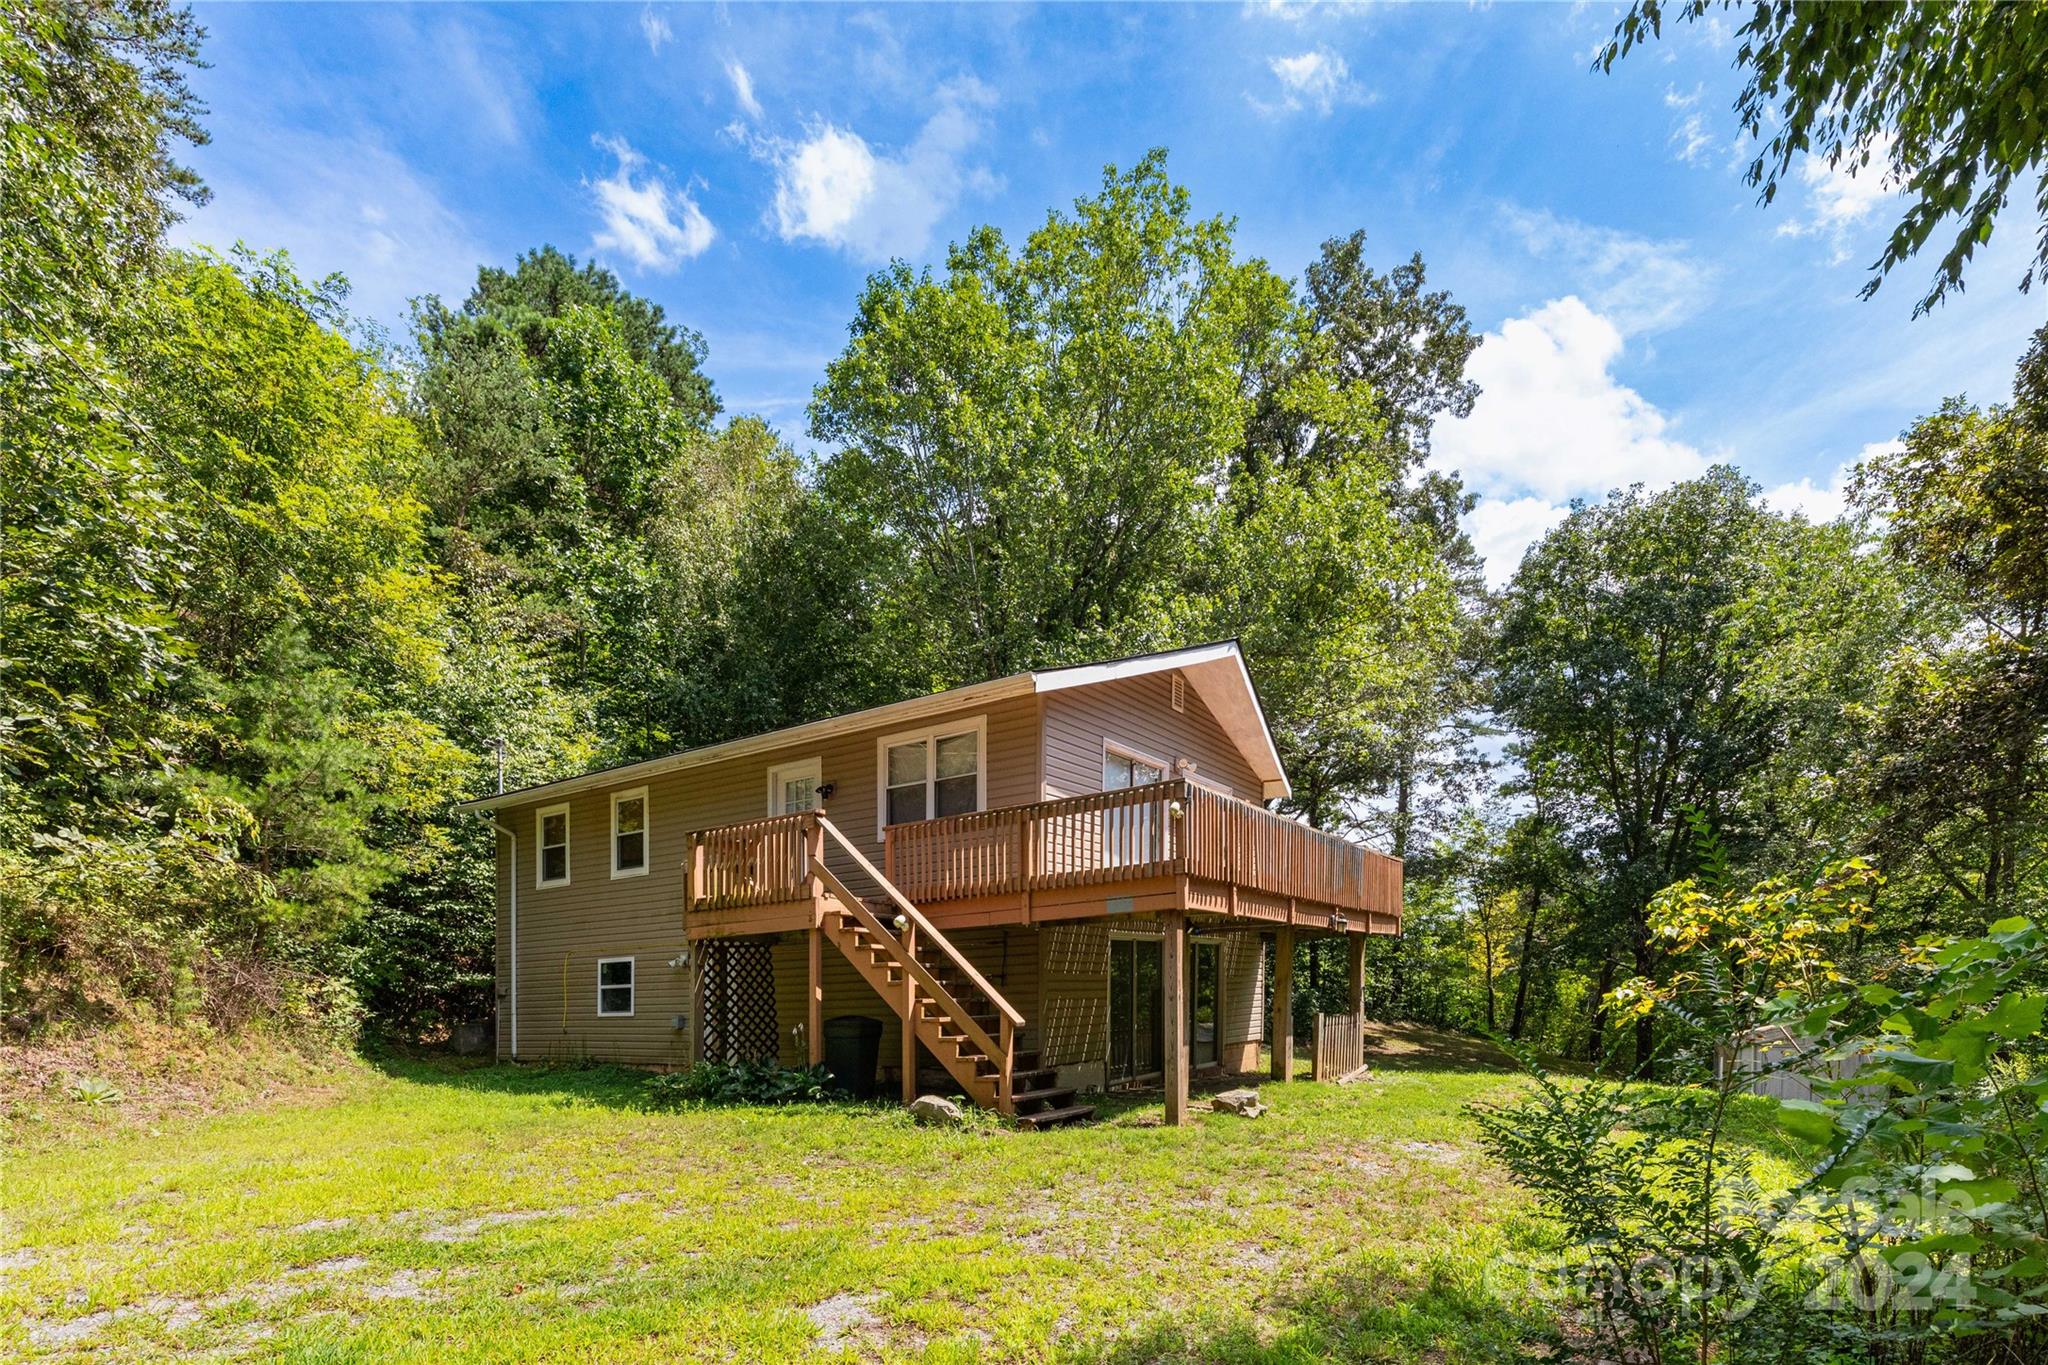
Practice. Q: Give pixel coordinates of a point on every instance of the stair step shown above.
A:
(1036, 1076)
(1052, 1118)
(1049, 1095)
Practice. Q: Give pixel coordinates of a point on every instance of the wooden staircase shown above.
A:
(961, 1020)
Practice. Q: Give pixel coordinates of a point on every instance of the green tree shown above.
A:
(1615, 665)
(1039, 433)
(1942, 100)
(92, 104)
(1959, 747)
(545, 284)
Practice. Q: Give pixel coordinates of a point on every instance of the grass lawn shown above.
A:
(427, 1211)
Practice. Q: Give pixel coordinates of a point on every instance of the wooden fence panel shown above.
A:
(1339, 1046)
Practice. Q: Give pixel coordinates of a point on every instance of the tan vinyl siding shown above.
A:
(501, 968)
(1073, 993)
(1137, 713)
(564, 930)
(1243, 972)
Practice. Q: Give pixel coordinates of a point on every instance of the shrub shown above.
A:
(742, 1083)
(1921, 1232)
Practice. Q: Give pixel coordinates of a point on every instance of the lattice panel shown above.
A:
(739, 1001)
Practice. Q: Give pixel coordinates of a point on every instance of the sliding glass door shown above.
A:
(1137, 1014)
(1135, 991)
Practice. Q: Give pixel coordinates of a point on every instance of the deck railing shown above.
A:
(1172, 828)
(755, 862)
(1167, 828)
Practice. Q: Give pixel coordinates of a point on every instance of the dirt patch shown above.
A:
(468, 1228)
(1406, 1047)
(404, 1285)
(842, 1319)
(160, 1073)
(1433, 1151)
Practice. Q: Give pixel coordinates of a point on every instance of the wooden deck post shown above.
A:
(1174, 968)
(1354, 978)
(814, 984)
(1283, 1004)
(909, 1018)
(814, 997)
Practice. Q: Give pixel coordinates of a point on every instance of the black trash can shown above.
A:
(853, 1044)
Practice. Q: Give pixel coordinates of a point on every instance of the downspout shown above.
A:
(512, 881)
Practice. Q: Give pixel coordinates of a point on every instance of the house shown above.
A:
(1052, 882)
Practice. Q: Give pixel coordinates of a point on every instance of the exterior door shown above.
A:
(793, 787)
(1204, 1017)
(1136, 993)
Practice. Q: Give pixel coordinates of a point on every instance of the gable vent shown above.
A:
(1180, 693)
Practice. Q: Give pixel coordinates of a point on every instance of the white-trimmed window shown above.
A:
(794, 786)
(1125, 767)
(926, 774)
(614, 986)
(1130, 834)
(629, 833)
(551, 846)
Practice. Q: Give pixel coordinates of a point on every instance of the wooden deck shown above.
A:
(1147, 850)
(1173, 852)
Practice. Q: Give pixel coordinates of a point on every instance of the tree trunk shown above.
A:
(1645, 1025)
(1404, 798)
(1522, 966)
(1596, 1033)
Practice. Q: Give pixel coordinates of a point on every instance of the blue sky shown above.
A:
(748, 165)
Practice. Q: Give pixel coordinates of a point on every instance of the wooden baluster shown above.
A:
(1006, 1095)
(909, 941)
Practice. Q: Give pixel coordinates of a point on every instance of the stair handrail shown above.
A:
(917, 970)
(909, 911)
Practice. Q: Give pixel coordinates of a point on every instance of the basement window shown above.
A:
(615, 985)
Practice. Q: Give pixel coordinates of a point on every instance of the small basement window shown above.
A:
(615, 985)
(551, 847)
(629, 833)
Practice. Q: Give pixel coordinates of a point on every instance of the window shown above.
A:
(629, 833)
(794, 786)
(936, 773)
(615, 985)
(551, 846)
(1130, 834)
(1121, 768)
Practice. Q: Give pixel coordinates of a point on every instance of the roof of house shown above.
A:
(1216, 672)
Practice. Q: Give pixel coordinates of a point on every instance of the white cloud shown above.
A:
(1552, 421)
(1847, 191)
(342, 203)
(654, 27)
(743, 89)
(1842, 195)
(1640, 284)
(1503, 529)
(834, 188)
(1318, 79)
(1824, 502)
(647, 219)
(1294, 11)
(1690, 137)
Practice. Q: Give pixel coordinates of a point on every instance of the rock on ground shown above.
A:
(933, 1109)
(1244, 1103)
